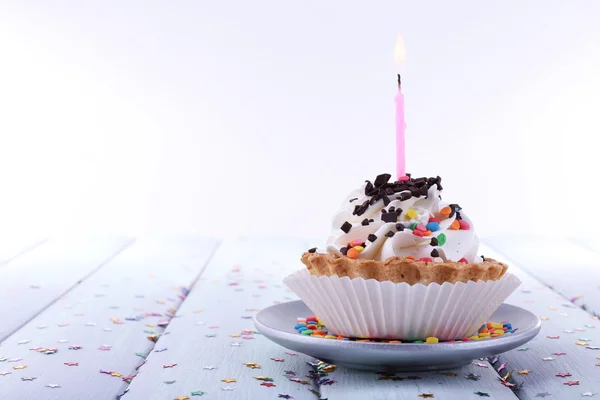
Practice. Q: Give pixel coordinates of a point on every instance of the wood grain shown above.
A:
(33, 281)
(568, 266)
(12, 248)
(563, 325)
(111, 315)
(243, 276)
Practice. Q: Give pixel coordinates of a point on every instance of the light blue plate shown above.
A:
(277, 323)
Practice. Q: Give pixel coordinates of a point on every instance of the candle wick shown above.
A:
(399, 81)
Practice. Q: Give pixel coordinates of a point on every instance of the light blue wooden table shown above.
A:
(171, 318)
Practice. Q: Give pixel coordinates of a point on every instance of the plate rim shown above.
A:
(530, 332)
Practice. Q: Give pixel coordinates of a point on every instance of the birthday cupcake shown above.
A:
(401, 263)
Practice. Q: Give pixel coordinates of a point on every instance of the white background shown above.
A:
(257, 117)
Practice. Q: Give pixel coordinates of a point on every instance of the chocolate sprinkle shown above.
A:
(365, 222)
(382, 188)
(354, 199)
(404, 196)
(399, 211)
(399, 227)
(381, 180)
(314, 249)
(390, 234)
(344, 250)
(435, 253)
(434, 241)
(346, 227)
(389, 217)
(392, 209)
(371, 238)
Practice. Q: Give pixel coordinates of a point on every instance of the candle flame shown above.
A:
(399, 51)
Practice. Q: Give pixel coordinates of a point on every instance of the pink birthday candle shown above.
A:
(400, 58)
(400, 130)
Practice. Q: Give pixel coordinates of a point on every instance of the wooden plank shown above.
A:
(11, 248)
(548, 260)
(36, 279)
(207, 340)
(563, 325)
(110, 315)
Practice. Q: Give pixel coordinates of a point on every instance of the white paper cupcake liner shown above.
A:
(371, 309)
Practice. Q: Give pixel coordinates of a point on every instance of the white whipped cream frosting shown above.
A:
(459, 243)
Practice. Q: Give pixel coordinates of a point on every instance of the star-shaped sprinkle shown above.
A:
(580, 343)
(524, 372)
(103, 371)
(472, 376)
(502, 366)
(426, 395)
(116, 374)
(482, 394)
(523, 349)
(28, 378)
(104, 348)
(20, 367)
(553, 337)
(289, 372)
(53, 385)
(169, 382)
(571, 383)
(302, 382)
(2, 359)
(291, 353)
(252, 365)
(547, 358)
(235, 344)
(506, 383)
(72, 364)
(559, 353)
(198, 393)
(593, 347)
(544, 318)
(169, 365)
(210, 367)
(542, 395)
(263, 378)
(211, 335)
(228, 380)
(75, 347)
(569, 331)
(182, 398)
(277, 359)
(481, 365)
(15, 360)
(267, 384)
(160, 350)
(23, 341)
(228, 388)
(563, 374)
(450, 373)
(284, 396)
(588, 394)
(4, 373)
(234, 335)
